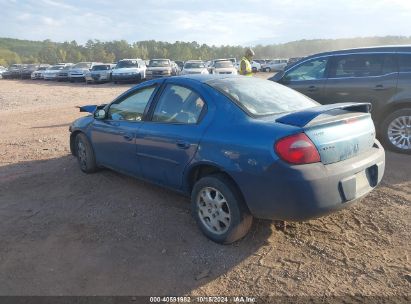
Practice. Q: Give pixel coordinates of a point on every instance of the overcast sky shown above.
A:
(205, 21)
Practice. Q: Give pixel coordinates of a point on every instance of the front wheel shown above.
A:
(85, 154)
(267, 70)
(219, 210)
(396, 131)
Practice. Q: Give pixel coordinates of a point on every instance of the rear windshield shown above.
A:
(223, 64)
(159, 63)
(100, 67)
(194, 65)
(259, 97)
(82, 65)
(127, 64)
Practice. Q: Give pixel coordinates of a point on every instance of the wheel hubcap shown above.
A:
(81, 154)
(213, 210)
(399, 132)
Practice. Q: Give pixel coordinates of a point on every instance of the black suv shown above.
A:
(379, 75)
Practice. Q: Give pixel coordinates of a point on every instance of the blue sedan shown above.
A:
(240, 147)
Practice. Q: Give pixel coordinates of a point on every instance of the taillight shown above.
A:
(297, 149)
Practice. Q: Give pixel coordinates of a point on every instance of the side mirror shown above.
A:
(100, 114)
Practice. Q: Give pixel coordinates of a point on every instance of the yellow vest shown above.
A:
(248, 69)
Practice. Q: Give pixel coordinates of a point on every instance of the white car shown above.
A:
(51, 73)
(194, 67)
(79, 71)
(223, 67)
(275, 65)
(129, 70)
(39, 73)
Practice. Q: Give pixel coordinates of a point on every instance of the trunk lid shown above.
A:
(339, 131)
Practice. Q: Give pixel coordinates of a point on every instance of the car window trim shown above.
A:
(160, 93)
(122, 98)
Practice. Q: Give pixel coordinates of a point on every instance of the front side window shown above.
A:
(178, 104)
(362, 65)
(310, 70)
(132, 107)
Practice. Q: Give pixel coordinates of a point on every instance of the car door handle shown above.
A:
(183, 144)
(379, 87)
(312, 88)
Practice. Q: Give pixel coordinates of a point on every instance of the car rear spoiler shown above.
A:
(302, 118)
(91, 108)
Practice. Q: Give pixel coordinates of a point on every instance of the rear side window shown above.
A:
(405, 62)
(178, 104)
(362, 65)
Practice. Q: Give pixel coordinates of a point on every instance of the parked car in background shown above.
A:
(128, 70)
(39, 73)
(63, 74)
(158, 68)
(2, 70)
(51, 72)
(378, 75)
(222, 66)
(240, 147)
(194, 67)
(27, 70)
(100, 73)
(13, 72)
(78, 71)
(274, 65)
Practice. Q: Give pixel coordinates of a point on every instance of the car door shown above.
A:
(114, 138)
(367, 77)
(308, 78)
(168, 141)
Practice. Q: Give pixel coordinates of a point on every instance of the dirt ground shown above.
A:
(63, 232)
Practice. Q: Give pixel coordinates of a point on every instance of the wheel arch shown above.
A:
(197, 171)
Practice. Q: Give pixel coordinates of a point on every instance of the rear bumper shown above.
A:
(303, 192)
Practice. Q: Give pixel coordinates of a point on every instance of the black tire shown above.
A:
(267, 70)
(388, 142)
(254, 70)
(85, 157)
(240, 220)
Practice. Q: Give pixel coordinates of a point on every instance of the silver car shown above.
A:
(194, 67)
(275, 65)
(79, 70)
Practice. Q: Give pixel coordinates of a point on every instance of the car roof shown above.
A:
(206, 77)
(377, 49)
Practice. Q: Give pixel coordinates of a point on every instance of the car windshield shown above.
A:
(223, 64)
(82, 65)
(56, 67)
(194, 65)
(127, 64)
(259, 97)
(159, 63)
(100, 67)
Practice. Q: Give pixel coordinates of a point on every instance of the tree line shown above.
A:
(25, 51)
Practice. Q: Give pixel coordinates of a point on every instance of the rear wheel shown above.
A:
(85, 154)
(396, 131)
(219, 209)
